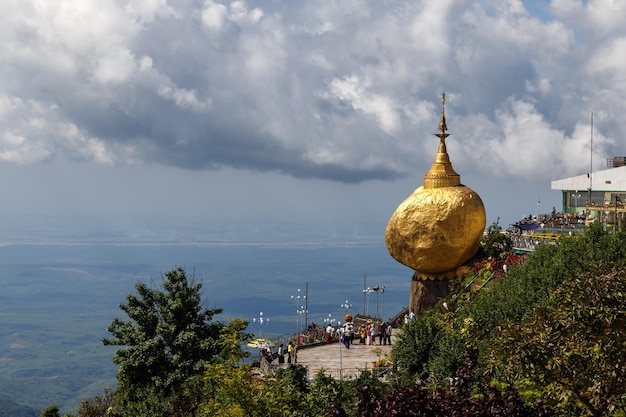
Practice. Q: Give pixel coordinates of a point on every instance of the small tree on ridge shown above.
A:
(167, 339)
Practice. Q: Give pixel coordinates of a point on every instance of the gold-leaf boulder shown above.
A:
(436, 229)
(440, 225)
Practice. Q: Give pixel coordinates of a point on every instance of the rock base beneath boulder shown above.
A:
(426, 292)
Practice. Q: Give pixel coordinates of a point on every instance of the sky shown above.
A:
(185, 112)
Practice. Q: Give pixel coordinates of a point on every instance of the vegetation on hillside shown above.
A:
(167, 340)
(552, 327)
(10, 409)
(545, 338)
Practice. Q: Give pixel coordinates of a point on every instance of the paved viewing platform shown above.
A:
(334, 358)
(339, 362)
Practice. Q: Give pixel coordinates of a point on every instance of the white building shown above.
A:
(598, 194)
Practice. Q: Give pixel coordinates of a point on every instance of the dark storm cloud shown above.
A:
(345, 91)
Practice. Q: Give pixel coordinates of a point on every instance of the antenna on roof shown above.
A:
(591, 161)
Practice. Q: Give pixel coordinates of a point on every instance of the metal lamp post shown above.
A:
(376, 288)
(538, 204)
(368, 291)
(301, 312)
(615, 223)
(329, 321)
(299, 307)
(340, 357)
(346, 305)
(261, 320)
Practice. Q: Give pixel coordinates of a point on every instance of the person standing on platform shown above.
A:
(290, 352)
(347, 334)
(281, 354)
(350, 329)
(329, 334)
(382, 330)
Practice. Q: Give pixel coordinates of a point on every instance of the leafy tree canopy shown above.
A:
(168, 337)
(574, 348)
(495, 242)
(553, 325)
(51, 411)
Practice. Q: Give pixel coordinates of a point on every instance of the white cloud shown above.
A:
(240, 12)
(296, 87)
(214, 15)
(609, 63)
(35, 132)
(426, 29)
(352, 90)
(147, 10)
(115, 67)
(184, 99)
(607, 16)
(84, 148)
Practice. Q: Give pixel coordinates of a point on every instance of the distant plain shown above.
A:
(59, 296)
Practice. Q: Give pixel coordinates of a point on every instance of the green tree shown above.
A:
(431, 347)
(52, 411)
(235, 391)
(226, 371)
(414, 345)
(463, 398)
(573, 349)
(169, 337)
(495, 242)
(99, 406)
(233, 337)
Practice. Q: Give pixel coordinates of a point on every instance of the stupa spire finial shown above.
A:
(441, 173)
(442, 135)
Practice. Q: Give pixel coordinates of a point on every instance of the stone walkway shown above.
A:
(339, 362)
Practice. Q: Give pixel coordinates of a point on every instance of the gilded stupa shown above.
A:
(437, 228)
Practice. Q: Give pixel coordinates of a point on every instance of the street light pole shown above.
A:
(261, 320)
(364, 283)
(299, 309)
(306, 305)
(538, 204)
(340, 356)
(346, 306)
(617, 199)
(376, 288)
(367, 292)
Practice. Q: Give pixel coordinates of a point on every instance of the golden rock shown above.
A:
(438, 227)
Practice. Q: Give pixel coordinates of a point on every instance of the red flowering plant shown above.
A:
(486, 268)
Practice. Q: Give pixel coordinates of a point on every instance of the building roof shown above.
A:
(612, 179)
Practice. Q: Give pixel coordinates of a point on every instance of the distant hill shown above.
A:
(57, 301)
(9, 409)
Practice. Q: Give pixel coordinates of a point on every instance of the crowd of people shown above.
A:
(349, 334)
(279, 355)
(553, 220)
(366, 333)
